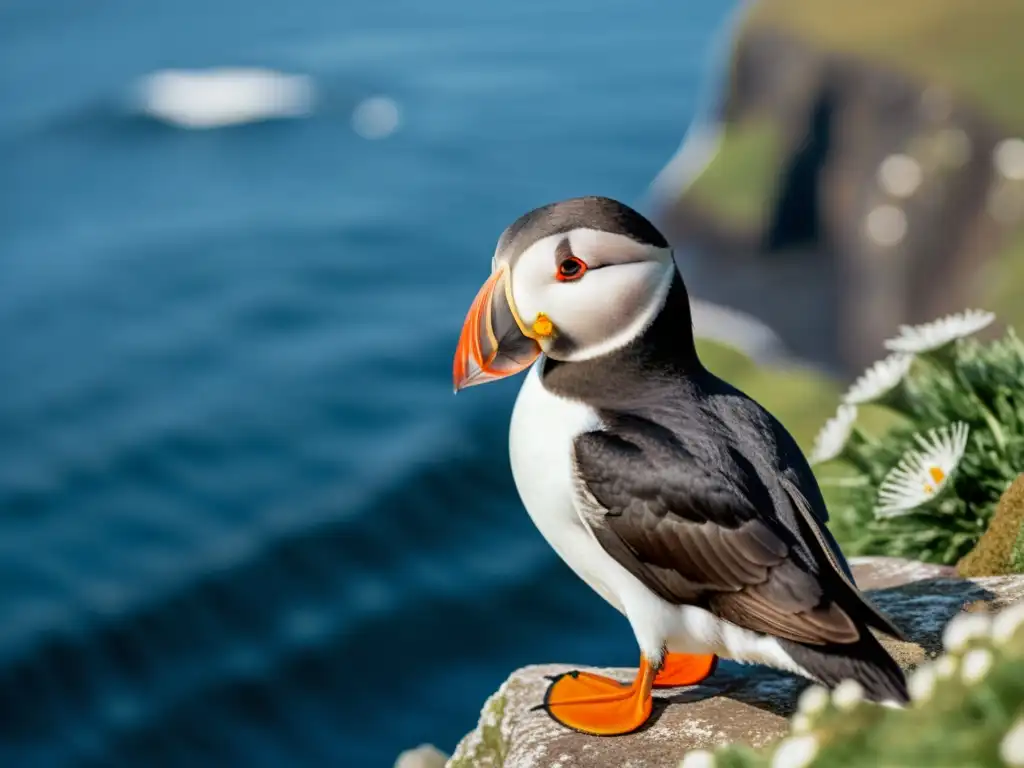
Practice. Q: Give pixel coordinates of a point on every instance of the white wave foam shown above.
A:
(214, 98)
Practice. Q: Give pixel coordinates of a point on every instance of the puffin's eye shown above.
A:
(571, 269)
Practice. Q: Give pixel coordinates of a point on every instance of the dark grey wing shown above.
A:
(708, 536)
(802, 487)
(830, 549)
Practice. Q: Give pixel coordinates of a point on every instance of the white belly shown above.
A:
(540, 446)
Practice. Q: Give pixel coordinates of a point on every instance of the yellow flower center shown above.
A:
(543, 326)
(937, 476)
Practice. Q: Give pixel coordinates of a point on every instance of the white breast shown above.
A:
(540, 446)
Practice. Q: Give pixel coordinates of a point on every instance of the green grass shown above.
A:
(971, 382)
(972, 48)
(740, 181)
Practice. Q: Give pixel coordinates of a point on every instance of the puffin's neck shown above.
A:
(665, 350)
(667, 342)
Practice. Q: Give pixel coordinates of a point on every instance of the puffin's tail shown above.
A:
(865, 661)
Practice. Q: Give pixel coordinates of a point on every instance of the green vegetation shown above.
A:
(740, 181)
(928, 486)
(970, 48)
(999, 550)
(801, 400)
(968, 712)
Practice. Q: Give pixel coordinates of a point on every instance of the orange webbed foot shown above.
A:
(599, 705)
(685, 669)
(576, 685)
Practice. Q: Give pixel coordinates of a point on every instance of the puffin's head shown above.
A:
(574, 280)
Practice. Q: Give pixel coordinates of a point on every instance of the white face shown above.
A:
(613, 296)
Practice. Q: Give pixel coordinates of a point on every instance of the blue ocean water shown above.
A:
(243, 520)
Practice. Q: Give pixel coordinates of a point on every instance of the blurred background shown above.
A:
(243, 521)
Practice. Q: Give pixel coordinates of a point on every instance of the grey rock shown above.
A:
(746, 704)
(423, 756)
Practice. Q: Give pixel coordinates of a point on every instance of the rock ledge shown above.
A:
(745, 704)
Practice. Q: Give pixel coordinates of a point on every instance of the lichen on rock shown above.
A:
(999, 550)
(487, 746)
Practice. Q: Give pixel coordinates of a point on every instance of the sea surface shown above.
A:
(243, 519)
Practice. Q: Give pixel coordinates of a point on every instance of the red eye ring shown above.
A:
(572, 268)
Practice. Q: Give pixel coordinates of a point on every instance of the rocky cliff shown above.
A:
(860, 168)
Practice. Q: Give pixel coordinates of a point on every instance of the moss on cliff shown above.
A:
(998, 552)
(970, 48)
(743, 173)
(967, 49)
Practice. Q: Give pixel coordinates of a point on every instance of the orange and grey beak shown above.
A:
(494, 343)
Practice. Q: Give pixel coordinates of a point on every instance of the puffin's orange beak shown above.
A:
(493, 343)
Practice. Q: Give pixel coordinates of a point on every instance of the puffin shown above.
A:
(676, 497)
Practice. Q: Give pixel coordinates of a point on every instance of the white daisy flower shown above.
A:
(800, 724)
(813, 700)
(921, 475)
(918, 339)
(976, 665)
(1007, 622)
(879, 381)
(963, 628)
(698, 758)
(847, 695)
(945, 667)
(832, 439)
(795, 752)
(921, 684)
(1011, 748)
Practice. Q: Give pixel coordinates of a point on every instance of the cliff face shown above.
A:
(844, 191)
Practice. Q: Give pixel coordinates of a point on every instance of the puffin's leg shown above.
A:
(618, 710)
(677, 670)
(685, 669)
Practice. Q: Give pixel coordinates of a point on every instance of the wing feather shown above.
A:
(694, 536)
